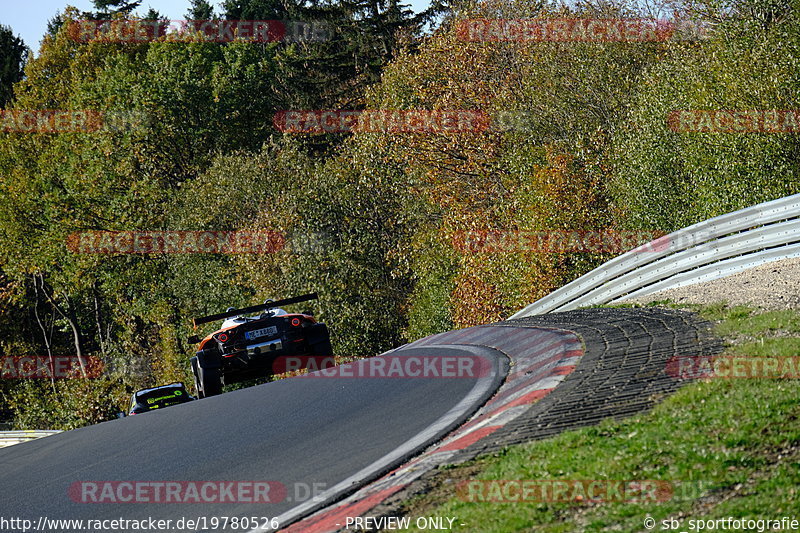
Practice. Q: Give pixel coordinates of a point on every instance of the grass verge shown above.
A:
(724, 447)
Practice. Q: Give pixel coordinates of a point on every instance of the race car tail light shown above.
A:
(222, 337)
(295, 321)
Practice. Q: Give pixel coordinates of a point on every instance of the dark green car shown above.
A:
(158, 397)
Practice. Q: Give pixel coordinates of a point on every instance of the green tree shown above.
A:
(359, 38)
(13, 55)
(667, 179)
(111, 7)
(200, 10)
(180, 107)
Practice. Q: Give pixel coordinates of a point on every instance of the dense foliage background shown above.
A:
(371, 219)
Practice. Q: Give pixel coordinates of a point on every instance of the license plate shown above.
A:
(263, 332)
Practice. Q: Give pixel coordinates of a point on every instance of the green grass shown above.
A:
(729, 447)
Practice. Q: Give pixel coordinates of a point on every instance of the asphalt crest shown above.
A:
(367, 441)
(622, 370)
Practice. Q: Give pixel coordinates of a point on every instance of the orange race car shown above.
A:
(248, 347)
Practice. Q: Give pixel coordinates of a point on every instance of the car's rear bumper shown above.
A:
(260, 360)
(264, 347)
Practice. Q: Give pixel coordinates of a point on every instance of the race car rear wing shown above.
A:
(254, 309)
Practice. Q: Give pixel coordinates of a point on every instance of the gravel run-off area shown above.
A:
(771, 286)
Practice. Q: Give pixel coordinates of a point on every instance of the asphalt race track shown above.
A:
(622, 371)
(304, 433)
(364, 443)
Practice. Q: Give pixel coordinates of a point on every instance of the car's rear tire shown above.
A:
(196, 373)
(207, 377)
(210, 381)
(319, 340)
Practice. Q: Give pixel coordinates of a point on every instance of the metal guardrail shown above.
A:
(9, 438)
(708, 250)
